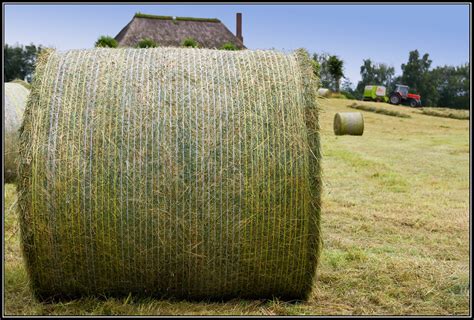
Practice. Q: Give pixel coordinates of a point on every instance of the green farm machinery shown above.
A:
(399, 95)
(375, 93)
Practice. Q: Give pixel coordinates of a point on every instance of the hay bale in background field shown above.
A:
(350, 123)
(23, 83)
(324, 92)
(15, 102)
(175, 172)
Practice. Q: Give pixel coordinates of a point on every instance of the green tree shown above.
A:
(20, 61)
(321, 69)
(336, 69)
(452, 86)
(347, 90)
(415, 69)
(106, 42)
(416, 75)
(446, 86)
(463, 89)
(375, 73)
(13, 62)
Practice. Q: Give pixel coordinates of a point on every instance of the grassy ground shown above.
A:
(395, 223)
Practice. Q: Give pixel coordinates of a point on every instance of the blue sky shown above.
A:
(384, 33)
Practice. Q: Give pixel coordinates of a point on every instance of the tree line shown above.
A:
(20, 61)
(443, 86)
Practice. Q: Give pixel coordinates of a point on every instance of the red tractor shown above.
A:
(401, 95)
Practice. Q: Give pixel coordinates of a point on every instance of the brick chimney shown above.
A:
(238, 32)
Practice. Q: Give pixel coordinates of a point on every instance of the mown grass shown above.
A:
(446, 113)
(387, 112)
(395, 225)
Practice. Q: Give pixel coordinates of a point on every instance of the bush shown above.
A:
(229, 46)
(106, 42)
(190, 43)
(146, 43)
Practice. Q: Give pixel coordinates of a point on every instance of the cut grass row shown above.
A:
(387, 112)
(437, 112)
(445, 113)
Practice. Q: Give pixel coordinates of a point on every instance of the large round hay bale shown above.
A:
(15, 102)
(190, 173)
(349, 123)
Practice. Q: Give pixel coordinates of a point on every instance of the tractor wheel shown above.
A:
(395, 99)
(413, 103)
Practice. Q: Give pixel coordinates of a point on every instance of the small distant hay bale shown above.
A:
(189, 173)
(324, 92)
(23, 83)
(15, 102)
(349, 123)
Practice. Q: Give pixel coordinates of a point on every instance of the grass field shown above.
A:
(395, 227)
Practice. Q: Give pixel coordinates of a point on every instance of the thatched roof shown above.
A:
(172, 31)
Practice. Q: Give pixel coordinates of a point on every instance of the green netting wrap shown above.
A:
(15, 102)
(190, 173)
(350, 123)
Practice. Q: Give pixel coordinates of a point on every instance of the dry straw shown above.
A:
(189, 173)
(15, 101)
(348, 123)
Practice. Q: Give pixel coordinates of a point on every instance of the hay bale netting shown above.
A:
(15, 102)
(350, 123)
(171, 172)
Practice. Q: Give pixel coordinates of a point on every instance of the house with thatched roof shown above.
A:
(170, 31)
